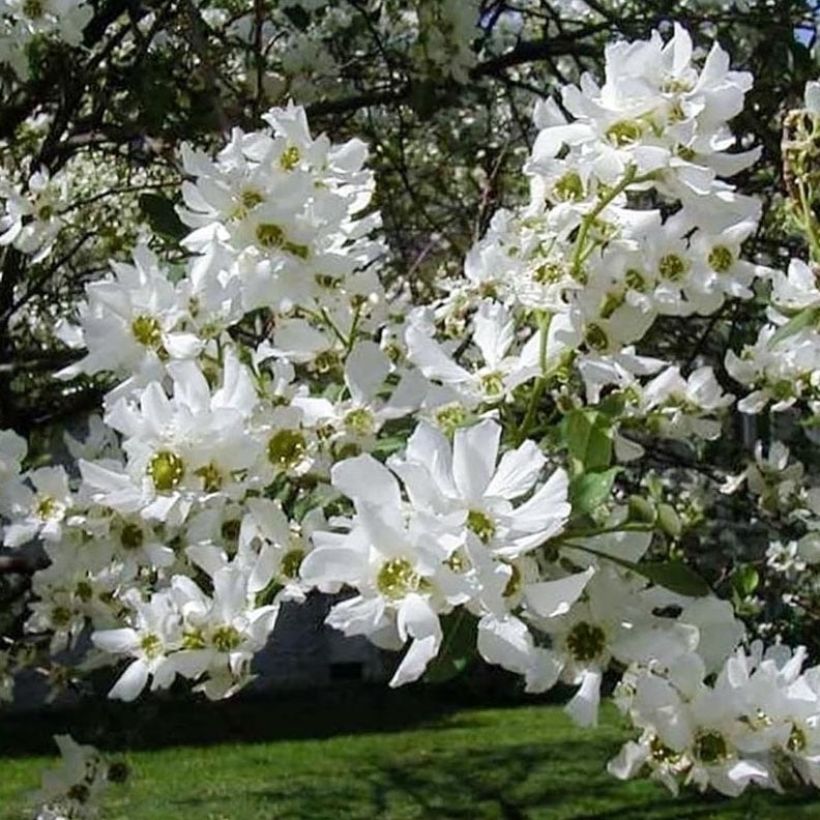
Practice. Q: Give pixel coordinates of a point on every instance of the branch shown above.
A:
(524, 52)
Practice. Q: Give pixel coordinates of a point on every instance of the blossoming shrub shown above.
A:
(469, 470)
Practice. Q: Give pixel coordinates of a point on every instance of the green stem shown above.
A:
(591, 533)
(544, 320)
(586, 223)
(809, 223)
(353, 328)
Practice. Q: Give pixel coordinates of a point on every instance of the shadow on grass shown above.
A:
(159, 721)
(540, 781)
(464, 766)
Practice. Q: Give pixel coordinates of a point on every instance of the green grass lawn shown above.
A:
(358, 753)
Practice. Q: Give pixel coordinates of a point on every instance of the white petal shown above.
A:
(115, 641)
(506, 642)
(131, 682)
(415, 661)
(365, 479)
(474, 452)
(517, 471)
(548, 508)
(365, 371)
(583, 708)
(552, 598)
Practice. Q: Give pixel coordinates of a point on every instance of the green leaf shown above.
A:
(806, 318)
(588, 436)
(613, 405)
(162, 217)
(458, 647)
(589, 490)
(672, 575)
(675, 576)
(745, 580)
(388, 446)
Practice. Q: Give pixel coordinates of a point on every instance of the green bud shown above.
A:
(669, 520)
(641, 510)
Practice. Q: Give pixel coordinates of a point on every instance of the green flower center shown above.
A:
(251, 198)
(676, 85)
(151, 645)
(672, 267)
(782, 390)
(458, 562)
(131, 536)
(548, 274)
(79, 793)
(586, 641)
(193, 639)
(686, 153)
(325, 280)
(226, 638)
(450, 418)
(166, 470)
(721, 259)
(211, 477)
(61, 616)
(624, 132)
(33, 9)
(661, 752)
(396, 578)
(797, 740)
(84, 591)
(710, 747)
(291, 561)
(290, 158)
(569, 187)
(635, 280)
(269, 235)
(515, 581)
(492, 384)
(286, 449)
(47, 508)
(360, 421)
(302, 251)
(481, 524)
(595, 337)
(146, 331)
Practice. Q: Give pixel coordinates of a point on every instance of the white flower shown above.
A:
(39, 509)
(393, 564)
(468, 483)
(131, 323)
(156, 630)
(32, 216)
(500, 371)
(797, 289)
(73, 788)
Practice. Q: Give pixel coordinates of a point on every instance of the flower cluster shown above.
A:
(457, 468)
(757, 723)
(460, 539)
